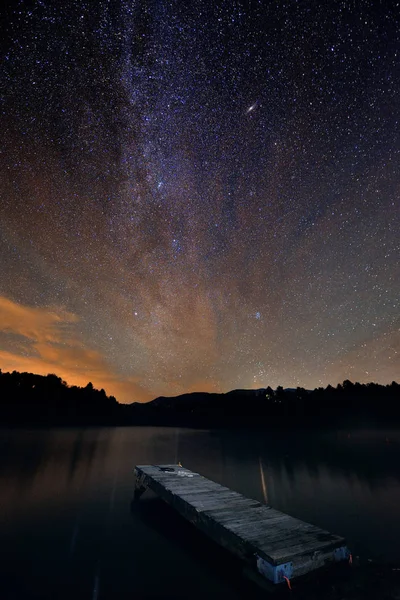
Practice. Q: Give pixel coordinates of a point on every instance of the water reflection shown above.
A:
(71, 489)
(39, 466)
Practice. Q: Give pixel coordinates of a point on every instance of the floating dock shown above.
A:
(273, 545)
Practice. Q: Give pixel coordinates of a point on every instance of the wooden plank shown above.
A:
(223, 513)
(281, 540)
(254, 530)
(181, 487)
(234, 506)
(224, 499)
(211, 495)
(246, 515)
(283, 524)
(290, 552)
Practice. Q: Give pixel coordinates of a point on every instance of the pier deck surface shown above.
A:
(272, 543)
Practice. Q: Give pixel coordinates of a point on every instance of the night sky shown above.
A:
(200, 195)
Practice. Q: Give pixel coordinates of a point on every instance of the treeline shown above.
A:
(28, 399)
(348, 403)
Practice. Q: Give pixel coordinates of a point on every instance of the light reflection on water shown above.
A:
(65, 502)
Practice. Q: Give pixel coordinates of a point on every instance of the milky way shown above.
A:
(200, 195)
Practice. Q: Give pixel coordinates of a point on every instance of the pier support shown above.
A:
(140, 486)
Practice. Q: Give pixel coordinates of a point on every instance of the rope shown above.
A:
(287, 581)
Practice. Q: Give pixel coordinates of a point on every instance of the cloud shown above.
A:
(52, 345)
(37, 324)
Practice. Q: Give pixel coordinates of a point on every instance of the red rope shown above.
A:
(287, 581)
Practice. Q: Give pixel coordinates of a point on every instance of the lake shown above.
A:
(68, 529)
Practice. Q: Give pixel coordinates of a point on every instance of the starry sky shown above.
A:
(200, 195)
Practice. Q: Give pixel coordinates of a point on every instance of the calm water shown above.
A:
(68, 529)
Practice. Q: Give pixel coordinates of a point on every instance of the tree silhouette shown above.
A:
(35, 399)
(26, 398)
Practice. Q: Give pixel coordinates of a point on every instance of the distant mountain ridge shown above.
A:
(281, 407)
(192, 396)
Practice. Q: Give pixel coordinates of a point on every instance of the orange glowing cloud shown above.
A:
(50, 344)
(37, 324)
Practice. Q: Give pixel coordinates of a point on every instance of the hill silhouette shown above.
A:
(29, 399)
(347, 403)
